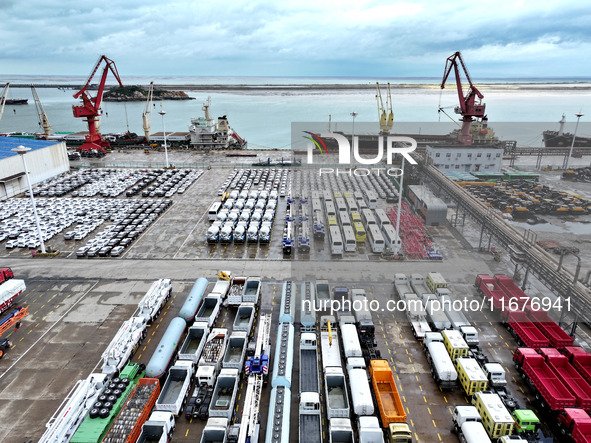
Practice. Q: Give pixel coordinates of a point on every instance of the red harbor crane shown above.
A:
(468, 108)
(91, 107)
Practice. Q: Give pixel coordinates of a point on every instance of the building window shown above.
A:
(488, 155)
(458, 155)
(446, 166)
(457, 166)
(469, 155)
(479, 155)
(448, 155)
(437, 155)
(498, 154)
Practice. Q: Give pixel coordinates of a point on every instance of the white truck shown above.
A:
(151, 304)
(310, 420)
(234, 357)
(468, 425)
(442, 368)
(457, 318)
(222, 286)
(340, 431)
(417, 282)
(495, 374)
(124, 344)
(63, 424)
(158, 428)
(206, 375)
(209, 310)
(175, 391)
(252, 290)
(416, 315)
(214, 349)
(369, 430)
(335, 388)
(244, 317)
(351, 345)
(361, 399)
(194, 343)
(438, 320)
(235, 293)
(215, 430)
(224, 394)
(402, 286)
(309, 363)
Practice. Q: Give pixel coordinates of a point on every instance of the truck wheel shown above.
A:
(117, 393)
(97, 405)
(108, 392)
(112, 385)
(121, 387)
(108, 405)
(102, 398)
(115, 381)
(125, 381)
(104, 413)
(94, 413)
(112, 398)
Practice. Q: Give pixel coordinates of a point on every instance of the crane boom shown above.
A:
(3, 99)
(91, 106)
(43, 120)
(147, 115)
(468, 108)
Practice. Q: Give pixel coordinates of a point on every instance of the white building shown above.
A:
(45, 160)
(465, 158)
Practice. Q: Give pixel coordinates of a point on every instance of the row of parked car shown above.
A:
(266, 179)
(168, 184)
(19, 228)
(114, 238)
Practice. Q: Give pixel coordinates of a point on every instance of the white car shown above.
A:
(11, 244)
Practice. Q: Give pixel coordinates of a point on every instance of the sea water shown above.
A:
(264, 117)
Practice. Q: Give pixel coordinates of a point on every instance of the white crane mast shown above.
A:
(43, 120)
(147, 115)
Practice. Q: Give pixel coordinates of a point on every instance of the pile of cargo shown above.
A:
(416, 243)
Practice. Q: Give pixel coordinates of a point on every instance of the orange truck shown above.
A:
(127, 427)
(389, 403)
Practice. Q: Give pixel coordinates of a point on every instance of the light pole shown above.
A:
(572, 145)
(162, 113)
(21, 150)
(353, 114)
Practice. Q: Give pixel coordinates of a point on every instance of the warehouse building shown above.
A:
(45, 160)
(465, 158)
(431, 208)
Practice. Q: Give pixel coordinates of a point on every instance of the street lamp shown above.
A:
(572, 145)
(353, 114)
(162, 113)
(21, 150)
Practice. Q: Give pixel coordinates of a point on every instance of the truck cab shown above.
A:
(495, 374)
(470, 334)
(526, 422)
(463, 414)
(206, 375)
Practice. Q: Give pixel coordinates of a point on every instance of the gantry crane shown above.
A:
(469, 109)
(91, 106)
(385, 114)
(147, 115)
(43, 120)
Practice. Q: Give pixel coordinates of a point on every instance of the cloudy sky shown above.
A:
(349, 38)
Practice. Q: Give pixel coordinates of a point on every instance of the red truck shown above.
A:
(558, 338)
(492, 291)
(571, 378)
(524, 330)
(515, 296)
(575, 423)
(580, 359)
(548, 389)
(5, 274)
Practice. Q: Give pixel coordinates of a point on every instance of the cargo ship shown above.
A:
(17, 101)
(553, 139)
(206, 134)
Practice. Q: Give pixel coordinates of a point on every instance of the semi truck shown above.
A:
(151, 304)
(10, 290)
(124, 345)
(525, 332)
(128, 425)
(513, 292)
(236, 350)
(457, 318)
(558, 338)
(351, 345)
(309, 363)
(5, 274)
(235, 292)
(175, 391)
(391, 410)
(442, 368)
(222, 285)
(244, 317)
(435, 314)
(365, 327)
(214, 349)
(402, 286)
(209, 310)
(490, 289)
(158, 428)
(548, 389)
(416, 315)
(224, 394)
(580, 359)
(417, 283)
(194, 342)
